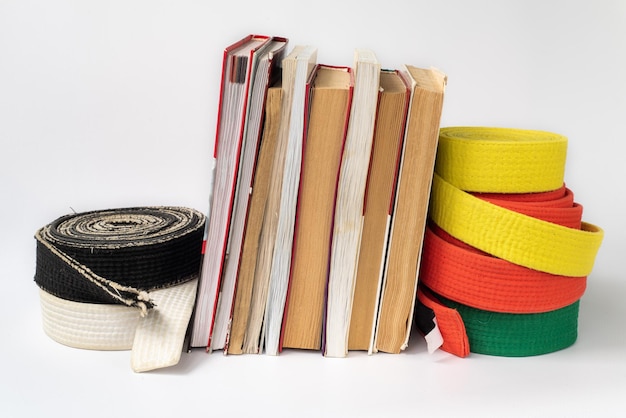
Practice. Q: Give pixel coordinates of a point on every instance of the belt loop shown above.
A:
(448, 322)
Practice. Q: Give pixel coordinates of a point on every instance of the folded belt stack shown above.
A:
(121, 279)
(506, 253)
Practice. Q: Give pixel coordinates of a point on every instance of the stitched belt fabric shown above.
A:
(466, 329)
(501, 160)
(513, 236)
(479, 280)
(121, 279)
(506, 253)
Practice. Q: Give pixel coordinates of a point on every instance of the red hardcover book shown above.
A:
(269, 57)
(238, 61)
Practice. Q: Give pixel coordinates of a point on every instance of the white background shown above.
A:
(113, 103)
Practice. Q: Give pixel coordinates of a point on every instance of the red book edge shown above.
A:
(231, 199)
(225, 56)
(271, 69)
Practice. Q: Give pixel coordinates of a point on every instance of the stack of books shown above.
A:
(322, 179)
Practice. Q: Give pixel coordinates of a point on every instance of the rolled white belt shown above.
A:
(121, 279)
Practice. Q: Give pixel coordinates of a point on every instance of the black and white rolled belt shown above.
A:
(121, 279)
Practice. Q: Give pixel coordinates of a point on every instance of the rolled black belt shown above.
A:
(121, 279)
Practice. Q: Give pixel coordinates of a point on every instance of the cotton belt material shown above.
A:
(506, 253)
(121, 279)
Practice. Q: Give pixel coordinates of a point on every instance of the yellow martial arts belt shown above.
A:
(506, 161)
(501, 160)
(512, 236)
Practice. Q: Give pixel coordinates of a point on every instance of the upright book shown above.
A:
(348, 216)
(268, 59)
(327, 115)
(274, 250)
(241, 339)
(238, 61)
(410, 209)
(296, 73)
(393, 104)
